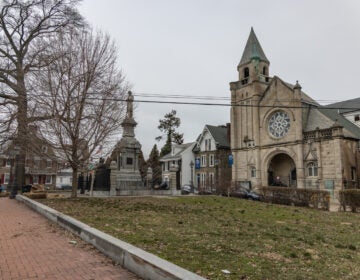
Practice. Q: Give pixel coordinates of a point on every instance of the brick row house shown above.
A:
(212, 151)
(40, 166)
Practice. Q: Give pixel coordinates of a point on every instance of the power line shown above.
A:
(227, 104)
(210, 98)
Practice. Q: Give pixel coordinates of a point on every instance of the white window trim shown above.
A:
(6, 178)
(211, 160)
(211, 179)
(313, 167)
(203, 161)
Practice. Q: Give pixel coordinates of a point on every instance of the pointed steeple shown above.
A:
(252, 50)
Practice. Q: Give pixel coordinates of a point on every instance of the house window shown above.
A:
(8, 162)
(203, 180)
(44, 149)
(49, 163)
(206, 144)
(6, 178)
(48, 179)
(35, 180)
(203, 161)
(211, 160)
(312, 169)
(353, 174)
(209, 144)
(252, 171)
(357, 118)
(211, 180)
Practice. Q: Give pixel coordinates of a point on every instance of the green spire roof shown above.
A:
(252, 50)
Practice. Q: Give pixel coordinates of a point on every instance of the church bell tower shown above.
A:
(246, 93)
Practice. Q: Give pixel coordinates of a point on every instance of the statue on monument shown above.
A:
(129, 108)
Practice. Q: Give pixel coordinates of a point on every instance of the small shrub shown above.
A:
(350, 198)
(318, 199)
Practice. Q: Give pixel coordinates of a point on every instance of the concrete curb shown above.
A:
(136, 260)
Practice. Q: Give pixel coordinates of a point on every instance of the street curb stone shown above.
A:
(136, 260)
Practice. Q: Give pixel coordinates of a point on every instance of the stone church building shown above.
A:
(281, 136)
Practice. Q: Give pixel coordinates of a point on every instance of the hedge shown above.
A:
(350, 198)
(319, 199)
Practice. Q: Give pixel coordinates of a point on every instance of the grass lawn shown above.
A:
(208, 234)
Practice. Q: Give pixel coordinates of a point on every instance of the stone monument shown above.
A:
(125, 175)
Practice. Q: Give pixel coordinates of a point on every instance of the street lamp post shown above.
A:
(192, 174)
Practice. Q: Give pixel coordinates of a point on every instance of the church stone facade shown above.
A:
(280, 134)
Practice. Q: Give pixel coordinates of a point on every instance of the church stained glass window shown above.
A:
(279, 124)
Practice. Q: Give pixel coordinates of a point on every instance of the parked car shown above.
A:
(186, 189)
(163, 186)
(64, 187)
(244, 193)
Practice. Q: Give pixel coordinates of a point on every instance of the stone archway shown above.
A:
(282, 171)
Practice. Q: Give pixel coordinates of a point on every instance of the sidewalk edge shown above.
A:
(136, 260)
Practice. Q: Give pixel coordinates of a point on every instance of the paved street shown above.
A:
(33, 248)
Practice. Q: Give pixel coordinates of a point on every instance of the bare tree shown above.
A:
(83, 90)
(26, 29)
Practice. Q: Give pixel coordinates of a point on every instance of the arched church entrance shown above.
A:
(282, 171)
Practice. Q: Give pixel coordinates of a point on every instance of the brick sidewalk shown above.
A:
(33, 248)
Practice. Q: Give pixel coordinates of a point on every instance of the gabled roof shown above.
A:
(252, 50)
(304, 97)
(181, 148)
(219, 133)
(346, 106)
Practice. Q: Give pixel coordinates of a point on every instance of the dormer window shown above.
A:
(357, 118)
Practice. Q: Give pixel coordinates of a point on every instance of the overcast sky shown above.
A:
(192, 48)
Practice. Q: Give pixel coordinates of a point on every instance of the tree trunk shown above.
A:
(74, 182)
(22, 134)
